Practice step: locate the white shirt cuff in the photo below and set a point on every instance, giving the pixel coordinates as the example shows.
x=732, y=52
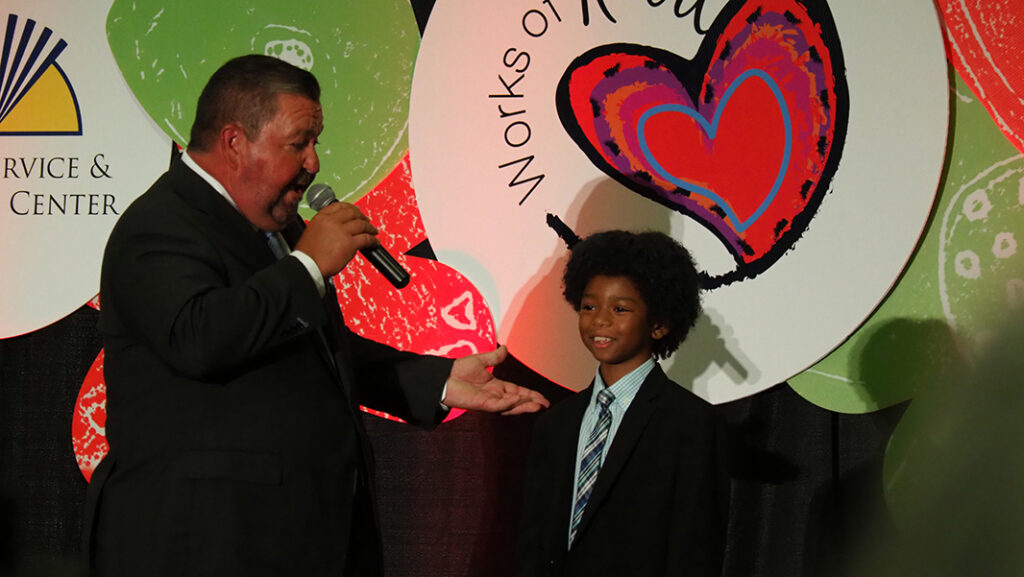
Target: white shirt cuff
x=444, y=393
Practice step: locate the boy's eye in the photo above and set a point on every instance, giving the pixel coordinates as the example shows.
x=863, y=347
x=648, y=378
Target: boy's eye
x=621, y=310
x=586, y=307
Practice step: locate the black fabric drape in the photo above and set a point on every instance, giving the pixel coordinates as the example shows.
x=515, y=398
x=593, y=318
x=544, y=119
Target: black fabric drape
x=806, y=495
x=41, y=489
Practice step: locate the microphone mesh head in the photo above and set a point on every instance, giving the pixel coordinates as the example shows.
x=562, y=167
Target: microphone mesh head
x=319, y=195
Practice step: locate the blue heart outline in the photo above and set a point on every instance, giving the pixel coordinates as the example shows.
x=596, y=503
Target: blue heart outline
x=711, y=130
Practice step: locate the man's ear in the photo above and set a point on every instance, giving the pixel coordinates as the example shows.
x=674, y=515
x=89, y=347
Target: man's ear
x=232, y=142
x=659, y=330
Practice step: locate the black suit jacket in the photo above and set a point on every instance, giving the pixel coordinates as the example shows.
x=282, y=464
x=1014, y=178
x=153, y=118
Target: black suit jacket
x=237, y=446
x=660, y=502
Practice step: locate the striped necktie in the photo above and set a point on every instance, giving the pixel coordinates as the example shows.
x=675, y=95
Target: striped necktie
x=591, y=463
x=277, y=246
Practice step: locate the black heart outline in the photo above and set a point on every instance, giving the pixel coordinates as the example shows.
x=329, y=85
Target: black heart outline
x=691, y=74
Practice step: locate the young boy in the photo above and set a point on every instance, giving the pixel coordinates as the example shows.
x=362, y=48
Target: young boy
x=640, y=487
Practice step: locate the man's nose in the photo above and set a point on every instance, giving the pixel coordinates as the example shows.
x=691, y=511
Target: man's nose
x=312, y=161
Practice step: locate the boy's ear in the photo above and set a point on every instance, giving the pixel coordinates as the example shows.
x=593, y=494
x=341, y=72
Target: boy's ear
x=658, y=331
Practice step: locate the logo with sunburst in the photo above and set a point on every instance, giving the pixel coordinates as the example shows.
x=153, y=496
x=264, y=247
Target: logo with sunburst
x=75, y=150
x=36, y=96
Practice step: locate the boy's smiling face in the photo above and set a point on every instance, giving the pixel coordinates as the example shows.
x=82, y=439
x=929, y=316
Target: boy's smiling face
x=614, y=326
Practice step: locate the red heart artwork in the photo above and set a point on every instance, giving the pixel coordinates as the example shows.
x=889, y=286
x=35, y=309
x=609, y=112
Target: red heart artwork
x=744, y=138
x=987, y=49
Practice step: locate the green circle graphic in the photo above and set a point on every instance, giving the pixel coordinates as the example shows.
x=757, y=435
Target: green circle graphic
x=362, y=53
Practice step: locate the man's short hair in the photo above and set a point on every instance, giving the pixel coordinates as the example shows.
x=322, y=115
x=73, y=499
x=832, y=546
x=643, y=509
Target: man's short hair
x=660, y=268
x=244, y=90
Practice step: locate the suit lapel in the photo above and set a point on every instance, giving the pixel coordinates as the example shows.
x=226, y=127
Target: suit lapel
x=230, y=228
x=334, y=332
x=236, y=234
x=634, y=422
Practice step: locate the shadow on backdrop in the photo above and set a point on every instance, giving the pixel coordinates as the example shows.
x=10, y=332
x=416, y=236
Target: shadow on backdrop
x=954, y=470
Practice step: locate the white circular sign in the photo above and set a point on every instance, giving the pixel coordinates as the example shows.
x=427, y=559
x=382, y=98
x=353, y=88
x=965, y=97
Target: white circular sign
x=794, y=148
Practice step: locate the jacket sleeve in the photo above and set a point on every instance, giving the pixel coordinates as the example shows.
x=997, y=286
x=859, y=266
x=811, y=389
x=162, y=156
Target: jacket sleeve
x=403, y=384
x=166, y=284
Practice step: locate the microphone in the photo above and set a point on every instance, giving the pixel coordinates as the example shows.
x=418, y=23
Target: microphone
x=320, y=195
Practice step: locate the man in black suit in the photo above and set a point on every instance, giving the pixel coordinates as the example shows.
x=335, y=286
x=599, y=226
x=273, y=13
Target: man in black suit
x=233, y=385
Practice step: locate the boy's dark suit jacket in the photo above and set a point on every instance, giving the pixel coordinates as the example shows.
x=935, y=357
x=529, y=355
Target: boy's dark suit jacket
x=237, y=446
x=660, y=503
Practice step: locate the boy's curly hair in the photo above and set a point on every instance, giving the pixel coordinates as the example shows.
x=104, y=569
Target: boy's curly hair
x=661, y=269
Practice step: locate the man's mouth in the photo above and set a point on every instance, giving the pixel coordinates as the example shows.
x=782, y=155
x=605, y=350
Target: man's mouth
x=302, y=181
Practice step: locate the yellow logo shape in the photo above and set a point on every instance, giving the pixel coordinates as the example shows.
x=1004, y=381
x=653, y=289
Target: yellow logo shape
x=36, y=97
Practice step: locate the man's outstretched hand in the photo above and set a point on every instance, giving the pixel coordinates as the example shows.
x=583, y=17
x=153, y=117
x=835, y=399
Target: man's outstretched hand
x=472, y=387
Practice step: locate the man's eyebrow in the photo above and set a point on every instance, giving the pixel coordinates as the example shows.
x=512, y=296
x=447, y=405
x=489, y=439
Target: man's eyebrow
x=306, y=133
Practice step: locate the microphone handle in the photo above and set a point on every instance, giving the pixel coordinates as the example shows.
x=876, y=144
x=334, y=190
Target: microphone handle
x=382, y=260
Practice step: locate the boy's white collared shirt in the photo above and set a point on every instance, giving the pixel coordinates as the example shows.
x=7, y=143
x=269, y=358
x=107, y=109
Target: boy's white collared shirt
x=625, y=390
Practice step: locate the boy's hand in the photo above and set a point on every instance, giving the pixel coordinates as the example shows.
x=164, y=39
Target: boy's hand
x=471, y=386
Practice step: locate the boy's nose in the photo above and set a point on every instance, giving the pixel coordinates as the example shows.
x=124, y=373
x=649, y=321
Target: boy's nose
x=602, y=317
